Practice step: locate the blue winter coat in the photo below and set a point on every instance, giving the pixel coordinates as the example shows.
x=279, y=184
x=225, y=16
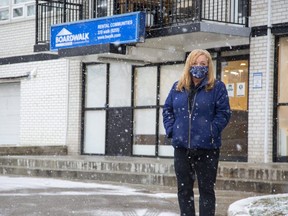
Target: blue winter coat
x=210, y=113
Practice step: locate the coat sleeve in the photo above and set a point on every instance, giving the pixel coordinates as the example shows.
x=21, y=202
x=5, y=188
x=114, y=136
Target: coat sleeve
x=222, y=110
x=168, y=114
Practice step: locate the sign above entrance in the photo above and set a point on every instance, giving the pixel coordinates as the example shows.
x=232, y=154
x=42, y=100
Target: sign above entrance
x=119, y=29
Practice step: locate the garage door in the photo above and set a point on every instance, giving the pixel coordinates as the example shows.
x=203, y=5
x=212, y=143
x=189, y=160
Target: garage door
x=9, y=113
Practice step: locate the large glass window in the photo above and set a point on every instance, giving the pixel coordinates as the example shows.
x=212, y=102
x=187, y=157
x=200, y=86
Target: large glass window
x=96, y=85
x=94, y=137
x=144, y=132
x=234, y=73
x=145, y=86
x=94, y=110
x=169, y=74
x=282, y=108
x=145, y=94
x=120, y=85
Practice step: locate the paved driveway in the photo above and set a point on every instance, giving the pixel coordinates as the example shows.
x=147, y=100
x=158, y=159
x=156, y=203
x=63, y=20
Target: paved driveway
x=40, y=196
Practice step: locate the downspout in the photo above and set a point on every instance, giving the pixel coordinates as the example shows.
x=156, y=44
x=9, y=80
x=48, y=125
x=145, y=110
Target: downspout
x=67, y=100
x=267, y=82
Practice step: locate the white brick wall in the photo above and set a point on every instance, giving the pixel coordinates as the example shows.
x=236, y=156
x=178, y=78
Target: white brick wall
x=257, y=101
x=259, y=12
x=17, y=38
x=44, y=109
x=258, y=59
x=74, y=117
x=279, y=11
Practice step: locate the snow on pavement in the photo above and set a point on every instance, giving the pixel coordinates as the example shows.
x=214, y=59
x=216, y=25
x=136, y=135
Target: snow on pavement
x=35, y=188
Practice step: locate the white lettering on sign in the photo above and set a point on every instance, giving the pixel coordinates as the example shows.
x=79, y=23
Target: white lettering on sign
x=123, y=23
x=102, y=26
x=65, y=37
x=72, y=38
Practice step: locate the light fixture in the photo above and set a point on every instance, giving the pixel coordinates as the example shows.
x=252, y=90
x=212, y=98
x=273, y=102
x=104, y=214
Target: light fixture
x=234, y=72
x=243, y=64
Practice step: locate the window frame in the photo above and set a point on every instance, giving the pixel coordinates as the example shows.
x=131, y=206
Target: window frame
x=21, y=5
x=277, y=105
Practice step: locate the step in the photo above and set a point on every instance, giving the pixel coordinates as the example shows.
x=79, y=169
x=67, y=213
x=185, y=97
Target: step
x=261, y=172
x=269, y=178
x=119, y=176
x=105, y=165
x=258, y=186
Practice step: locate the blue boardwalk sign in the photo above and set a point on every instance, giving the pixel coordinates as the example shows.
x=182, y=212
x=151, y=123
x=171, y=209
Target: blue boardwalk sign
x=119, y=29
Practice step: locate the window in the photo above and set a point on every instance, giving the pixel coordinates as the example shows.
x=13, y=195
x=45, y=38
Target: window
x=16, y=9
x=282, y=100
x=145, y=85
x=169, y=74
x=4, y=14
x=94, y=113
x=101, y=8
x=4, y=10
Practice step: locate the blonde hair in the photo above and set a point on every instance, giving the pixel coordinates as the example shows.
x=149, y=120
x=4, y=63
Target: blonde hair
x=185, y=80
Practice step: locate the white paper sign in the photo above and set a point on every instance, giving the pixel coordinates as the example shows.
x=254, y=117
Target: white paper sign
x=230, y=89
x=257, y=80
x=240, y=89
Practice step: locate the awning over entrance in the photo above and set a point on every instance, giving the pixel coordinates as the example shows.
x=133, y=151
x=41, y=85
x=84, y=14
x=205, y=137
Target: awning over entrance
x=166, y=44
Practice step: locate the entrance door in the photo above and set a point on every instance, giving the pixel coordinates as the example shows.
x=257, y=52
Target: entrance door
x=235, y=136
x=9, y=113
x=281, y=119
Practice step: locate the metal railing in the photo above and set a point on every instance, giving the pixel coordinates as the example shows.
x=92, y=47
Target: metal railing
x=159, y=13
x=52, y=12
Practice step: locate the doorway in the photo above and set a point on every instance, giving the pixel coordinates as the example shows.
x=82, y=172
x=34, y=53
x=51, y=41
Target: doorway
x=234, y=73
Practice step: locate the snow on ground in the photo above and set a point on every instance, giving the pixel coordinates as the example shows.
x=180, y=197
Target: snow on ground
x=14, y=183
x=15, y=188
x=269, y=205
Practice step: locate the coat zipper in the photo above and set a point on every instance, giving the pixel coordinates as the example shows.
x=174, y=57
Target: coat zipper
x=190, y=122
x=212, y=139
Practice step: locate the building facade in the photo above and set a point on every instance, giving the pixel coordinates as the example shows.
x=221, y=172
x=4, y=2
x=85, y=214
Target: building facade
x=107, y=99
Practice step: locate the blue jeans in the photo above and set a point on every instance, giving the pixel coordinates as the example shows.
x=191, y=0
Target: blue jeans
x=202, y=164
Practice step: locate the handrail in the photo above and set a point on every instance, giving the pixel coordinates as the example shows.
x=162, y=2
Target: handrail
x=159, y=13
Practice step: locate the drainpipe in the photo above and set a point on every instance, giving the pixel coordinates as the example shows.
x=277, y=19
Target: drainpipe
x=67, y=100
x=267, y=82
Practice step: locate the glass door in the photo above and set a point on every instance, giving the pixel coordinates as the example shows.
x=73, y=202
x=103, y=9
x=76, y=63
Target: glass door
x=234, y=73
x=282, y=101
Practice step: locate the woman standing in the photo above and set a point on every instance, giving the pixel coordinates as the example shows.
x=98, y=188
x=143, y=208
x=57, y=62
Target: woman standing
x=195, y=113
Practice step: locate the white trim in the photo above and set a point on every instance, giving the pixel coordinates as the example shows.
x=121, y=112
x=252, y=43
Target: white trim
x=166, y=150
x=147, y=150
